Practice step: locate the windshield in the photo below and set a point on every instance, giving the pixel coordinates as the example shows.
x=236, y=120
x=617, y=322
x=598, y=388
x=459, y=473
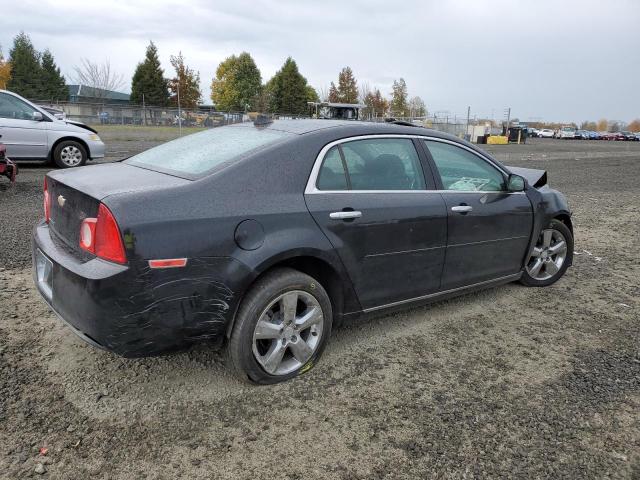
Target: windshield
x=198, y=153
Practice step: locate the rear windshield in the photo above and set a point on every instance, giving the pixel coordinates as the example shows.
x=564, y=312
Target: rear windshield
x=198, y=153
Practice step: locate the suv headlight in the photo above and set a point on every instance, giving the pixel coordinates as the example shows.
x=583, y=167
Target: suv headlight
x=94, y=137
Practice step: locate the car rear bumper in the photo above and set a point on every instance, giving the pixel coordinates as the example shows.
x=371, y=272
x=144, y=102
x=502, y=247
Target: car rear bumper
x=131, y=310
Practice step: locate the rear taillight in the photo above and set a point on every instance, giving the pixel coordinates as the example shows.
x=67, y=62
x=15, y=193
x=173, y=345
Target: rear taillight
x=101, y=236
x=46, y=201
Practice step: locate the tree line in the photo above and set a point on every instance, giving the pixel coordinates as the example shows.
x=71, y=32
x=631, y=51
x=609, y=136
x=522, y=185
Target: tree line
x=31, y=73
x=237, y=85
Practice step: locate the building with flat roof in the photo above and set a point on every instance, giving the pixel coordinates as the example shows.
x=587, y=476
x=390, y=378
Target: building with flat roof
x=85, y=94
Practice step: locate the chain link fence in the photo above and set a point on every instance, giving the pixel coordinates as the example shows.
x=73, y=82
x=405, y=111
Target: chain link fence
x=114, y=114
x=208, y=117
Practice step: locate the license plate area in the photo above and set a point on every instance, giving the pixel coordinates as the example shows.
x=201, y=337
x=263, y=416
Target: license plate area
x=44, y=273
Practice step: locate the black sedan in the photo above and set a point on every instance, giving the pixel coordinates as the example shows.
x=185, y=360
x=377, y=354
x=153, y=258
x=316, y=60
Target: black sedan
x=266, y=236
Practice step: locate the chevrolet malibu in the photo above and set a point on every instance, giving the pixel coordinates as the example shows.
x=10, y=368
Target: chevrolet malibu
x=265, y=236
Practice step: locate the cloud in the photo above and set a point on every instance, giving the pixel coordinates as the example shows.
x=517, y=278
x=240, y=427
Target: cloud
x=568, y=61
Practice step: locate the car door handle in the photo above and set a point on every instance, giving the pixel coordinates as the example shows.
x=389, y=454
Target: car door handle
x=462, y=208
x=345, y=215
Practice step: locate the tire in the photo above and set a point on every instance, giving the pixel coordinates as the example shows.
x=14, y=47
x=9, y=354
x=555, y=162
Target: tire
x=250, y=357
x=545, y=267
x=69, y=154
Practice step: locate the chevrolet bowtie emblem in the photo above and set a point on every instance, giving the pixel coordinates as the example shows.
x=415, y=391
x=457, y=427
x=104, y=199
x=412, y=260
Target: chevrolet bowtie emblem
x=61, y=200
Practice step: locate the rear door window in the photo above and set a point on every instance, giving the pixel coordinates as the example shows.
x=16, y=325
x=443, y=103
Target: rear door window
x=376, y=164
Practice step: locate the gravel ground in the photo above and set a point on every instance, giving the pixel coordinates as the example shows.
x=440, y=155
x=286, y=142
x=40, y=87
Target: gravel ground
x=510, y=382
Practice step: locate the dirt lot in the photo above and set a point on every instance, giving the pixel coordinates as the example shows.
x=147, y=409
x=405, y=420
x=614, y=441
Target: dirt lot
x=513, y=382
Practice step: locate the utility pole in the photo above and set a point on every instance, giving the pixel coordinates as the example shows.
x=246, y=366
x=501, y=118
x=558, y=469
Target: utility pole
x=468, y=115
x=506, y=128
x=179, y=111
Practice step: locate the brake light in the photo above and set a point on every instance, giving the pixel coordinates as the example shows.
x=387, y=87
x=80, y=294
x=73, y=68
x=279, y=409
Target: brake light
x=46, y=201
x=101, y=236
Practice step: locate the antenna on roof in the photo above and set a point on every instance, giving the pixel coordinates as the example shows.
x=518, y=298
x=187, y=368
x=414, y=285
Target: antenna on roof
x=262, y=120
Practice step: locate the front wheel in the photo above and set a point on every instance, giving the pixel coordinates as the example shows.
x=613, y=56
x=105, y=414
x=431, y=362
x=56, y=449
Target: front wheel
x=69, y=154
x=281, y=328
x=550, y=257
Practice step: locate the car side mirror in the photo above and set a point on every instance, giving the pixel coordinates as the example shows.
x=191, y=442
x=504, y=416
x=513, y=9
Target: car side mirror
x=37, y=117
x=516, y=183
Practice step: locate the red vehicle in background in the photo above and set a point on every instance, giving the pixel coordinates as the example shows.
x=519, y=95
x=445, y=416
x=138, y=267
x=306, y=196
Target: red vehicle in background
x=7, y=167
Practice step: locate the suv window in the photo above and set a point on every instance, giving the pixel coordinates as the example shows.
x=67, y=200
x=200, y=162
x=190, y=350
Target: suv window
x=462, y=170
x=374, y=164
x=14, y=108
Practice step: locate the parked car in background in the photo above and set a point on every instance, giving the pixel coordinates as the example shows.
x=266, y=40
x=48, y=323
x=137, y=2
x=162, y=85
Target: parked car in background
x=619, y=136
x=567, y=133
x=32, y=133
x=606, y=136
x=204, y=238
x=594, y=136
x=58, y=114
x=546, y=133
x=629, y=136
x=582, y=135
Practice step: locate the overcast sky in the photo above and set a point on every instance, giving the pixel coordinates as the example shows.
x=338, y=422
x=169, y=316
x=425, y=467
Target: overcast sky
x=551, y=60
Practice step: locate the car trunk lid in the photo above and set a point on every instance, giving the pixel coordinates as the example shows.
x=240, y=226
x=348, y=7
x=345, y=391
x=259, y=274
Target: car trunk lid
x=76, y=194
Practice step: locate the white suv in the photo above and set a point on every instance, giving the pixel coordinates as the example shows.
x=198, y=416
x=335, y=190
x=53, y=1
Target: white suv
x=31, y=133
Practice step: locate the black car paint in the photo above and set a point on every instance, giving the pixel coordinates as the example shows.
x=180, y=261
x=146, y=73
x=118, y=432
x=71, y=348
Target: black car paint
x=137, y=311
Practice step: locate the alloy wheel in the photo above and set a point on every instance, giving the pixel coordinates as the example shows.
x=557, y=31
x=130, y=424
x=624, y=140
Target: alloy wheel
x=548, y=255
x=288, y=332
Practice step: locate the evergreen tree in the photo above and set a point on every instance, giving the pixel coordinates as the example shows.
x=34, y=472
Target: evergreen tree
x=312, y=95
x=334, y=95
x=148, y=80
x=347, y=86
x=186, y=84
x=54, y=86
x=287, y=90
x=238, y=84
x=399, y=95
x=26, y=71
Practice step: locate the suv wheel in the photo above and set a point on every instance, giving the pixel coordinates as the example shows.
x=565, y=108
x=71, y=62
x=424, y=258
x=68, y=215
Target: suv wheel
x=69, y=154
x=281, y=329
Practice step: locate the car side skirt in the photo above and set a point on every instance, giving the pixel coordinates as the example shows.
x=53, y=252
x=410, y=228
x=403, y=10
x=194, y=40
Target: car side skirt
x=433, y=297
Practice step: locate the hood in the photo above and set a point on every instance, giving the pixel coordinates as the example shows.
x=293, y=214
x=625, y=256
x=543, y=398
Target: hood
x=535, y=178
x=80, y=124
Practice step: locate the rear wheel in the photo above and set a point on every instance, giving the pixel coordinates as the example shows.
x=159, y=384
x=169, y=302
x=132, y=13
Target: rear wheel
x=281, y=329
x=69, y=154
x=551, y=256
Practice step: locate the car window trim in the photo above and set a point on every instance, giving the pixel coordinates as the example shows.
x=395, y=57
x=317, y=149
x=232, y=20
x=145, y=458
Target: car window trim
x=312, y=189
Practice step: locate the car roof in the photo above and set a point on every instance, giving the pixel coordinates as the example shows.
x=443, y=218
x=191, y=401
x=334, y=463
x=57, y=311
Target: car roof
x=306, y=125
